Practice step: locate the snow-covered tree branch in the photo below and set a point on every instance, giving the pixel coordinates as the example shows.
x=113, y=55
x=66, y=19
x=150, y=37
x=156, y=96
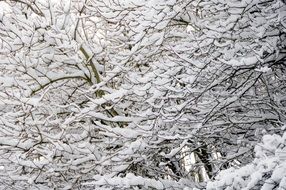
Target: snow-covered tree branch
x=131, y=94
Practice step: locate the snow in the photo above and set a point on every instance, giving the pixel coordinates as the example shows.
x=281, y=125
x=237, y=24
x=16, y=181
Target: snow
x=7, y=81
x=177, y=78
x=264, y=69
x=255, y=175
x=131, y=180
x=242, y=62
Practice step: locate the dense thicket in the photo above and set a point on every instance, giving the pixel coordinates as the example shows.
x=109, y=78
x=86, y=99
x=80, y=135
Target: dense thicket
x=140, y=94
